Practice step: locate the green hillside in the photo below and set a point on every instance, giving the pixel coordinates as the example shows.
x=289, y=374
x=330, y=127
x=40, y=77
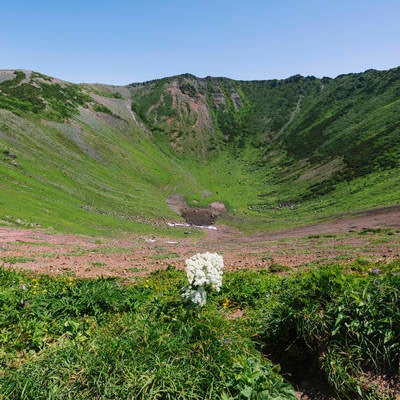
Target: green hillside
x=103, y=159
x=86, y=167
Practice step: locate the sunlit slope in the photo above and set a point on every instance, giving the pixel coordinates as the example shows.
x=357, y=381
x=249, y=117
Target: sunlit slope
x=334, y=129
x=95, y=171
x=283, y=152
x=102, y=159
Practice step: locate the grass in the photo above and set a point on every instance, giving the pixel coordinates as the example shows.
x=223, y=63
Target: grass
x=165, y=256
x=266, y=168
x=122, y=193
x=85, y=339
x=252, y=195
x=339, y=322
x=273, y=167
x=73, y=338
x=16, y=260
x=98, y=264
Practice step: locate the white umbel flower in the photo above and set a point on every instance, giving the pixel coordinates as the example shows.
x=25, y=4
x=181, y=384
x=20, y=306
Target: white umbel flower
x=205, y=269
x=197, y=296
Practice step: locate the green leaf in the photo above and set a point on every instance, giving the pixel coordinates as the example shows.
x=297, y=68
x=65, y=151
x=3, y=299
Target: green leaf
x=247, y=392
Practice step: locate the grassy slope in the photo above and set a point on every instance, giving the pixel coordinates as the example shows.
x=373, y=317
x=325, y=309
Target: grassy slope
x=278, y=153
x=290, y=152
x=93, y=173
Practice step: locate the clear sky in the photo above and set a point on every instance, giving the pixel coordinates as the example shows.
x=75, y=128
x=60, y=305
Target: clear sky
x=125, y=41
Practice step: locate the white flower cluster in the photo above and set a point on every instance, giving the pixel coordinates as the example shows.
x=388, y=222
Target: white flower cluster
x=197, y=296
x=205, y=269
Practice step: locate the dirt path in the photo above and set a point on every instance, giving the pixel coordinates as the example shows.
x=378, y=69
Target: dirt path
x=372, y=235
x=372, y=219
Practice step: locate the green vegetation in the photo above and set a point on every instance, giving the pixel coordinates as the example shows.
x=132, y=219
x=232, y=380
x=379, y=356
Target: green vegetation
x=48, y=99
x=102, y=108
x=98, y=264
x=109, y=94
x=15, y=259
x=278, y=153
x=343, y=325
x=284, y=153
x=88, y=178
x=354, y=117
x=68, y=338
x=87, y=339
x=165, y=256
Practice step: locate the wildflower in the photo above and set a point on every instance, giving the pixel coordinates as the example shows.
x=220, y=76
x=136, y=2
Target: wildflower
x=376, y=271
x=227, y=341
x=226, y=303
x=195, y=296
x=204, y=271
x=22, y=287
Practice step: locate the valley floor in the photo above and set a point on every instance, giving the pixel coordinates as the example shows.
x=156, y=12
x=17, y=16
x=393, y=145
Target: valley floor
x=373, y=235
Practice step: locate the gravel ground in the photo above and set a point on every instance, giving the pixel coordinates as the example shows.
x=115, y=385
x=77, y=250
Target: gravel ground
x=341, y=240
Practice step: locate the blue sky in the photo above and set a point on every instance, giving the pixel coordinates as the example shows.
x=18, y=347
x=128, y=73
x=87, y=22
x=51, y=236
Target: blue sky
x=124, y=41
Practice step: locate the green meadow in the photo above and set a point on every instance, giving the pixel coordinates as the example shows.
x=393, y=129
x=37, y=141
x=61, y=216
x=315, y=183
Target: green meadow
x=335, y=327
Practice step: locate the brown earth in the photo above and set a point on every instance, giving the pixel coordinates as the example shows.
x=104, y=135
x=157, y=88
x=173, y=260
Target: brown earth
x=199, y=216
x=374, y=235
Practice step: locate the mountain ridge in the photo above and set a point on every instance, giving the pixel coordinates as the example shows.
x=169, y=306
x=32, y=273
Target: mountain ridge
x=255, y=145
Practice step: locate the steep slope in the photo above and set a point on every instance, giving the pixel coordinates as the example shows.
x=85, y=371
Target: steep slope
x=285, y=142
x=78, y=161
x=94, y=157
x=356, y=117
x=353, y=117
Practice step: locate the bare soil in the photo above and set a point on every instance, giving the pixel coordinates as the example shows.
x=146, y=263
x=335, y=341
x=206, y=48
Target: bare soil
x=199, y=216
x=373, y=235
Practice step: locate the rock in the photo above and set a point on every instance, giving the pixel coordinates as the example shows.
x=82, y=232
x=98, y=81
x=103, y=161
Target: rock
x=218, y=208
